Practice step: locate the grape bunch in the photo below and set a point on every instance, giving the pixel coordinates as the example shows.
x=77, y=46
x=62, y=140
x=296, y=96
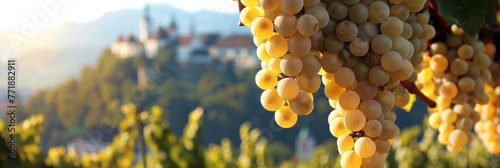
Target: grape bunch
x=488, y=127
x=282, y=33
x=454, y=74
x=369, y=47
x=362, y=49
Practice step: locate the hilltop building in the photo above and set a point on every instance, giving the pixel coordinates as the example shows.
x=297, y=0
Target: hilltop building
x=190, y=49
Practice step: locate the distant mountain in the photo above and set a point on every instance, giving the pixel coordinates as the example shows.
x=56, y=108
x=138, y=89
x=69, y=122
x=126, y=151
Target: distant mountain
x=105, y=30
x=62, y=51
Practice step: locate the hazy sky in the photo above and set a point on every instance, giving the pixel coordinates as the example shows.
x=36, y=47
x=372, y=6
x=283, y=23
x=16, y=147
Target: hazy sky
x=15, y=13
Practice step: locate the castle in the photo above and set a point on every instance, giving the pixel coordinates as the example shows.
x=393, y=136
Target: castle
x=192, y=48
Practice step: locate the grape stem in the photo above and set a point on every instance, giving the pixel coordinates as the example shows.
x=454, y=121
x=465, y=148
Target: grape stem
x=412, y=88
x=438, y=21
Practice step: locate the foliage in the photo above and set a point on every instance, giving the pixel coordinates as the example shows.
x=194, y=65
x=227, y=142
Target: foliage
x=166, y=150
x=409, y=151
x=467, y=14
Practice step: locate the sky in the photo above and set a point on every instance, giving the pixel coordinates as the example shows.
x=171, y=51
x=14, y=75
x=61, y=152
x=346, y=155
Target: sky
x=16, y=14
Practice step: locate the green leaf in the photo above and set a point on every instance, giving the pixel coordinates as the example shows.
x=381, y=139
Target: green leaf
x=467, y=14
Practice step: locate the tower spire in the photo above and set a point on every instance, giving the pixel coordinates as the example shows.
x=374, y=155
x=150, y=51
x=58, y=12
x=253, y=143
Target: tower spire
x=145, y=24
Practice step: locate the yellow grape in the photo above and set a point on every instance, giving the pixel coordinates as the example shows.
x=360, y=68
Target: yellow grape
x=310, y=65
x=449, y=116
x=274, y=65
x=299, y=45
x=276, y=46
x=262, y=27
x=350, y=160
x=364, y=147
x=291, y=6
x=248, y=15
x=269, y=5
x=271, y=100
x=302, y=81
x=302, y=104
x=448, y=90
x=250, y=3
x=349, y=100
x=345, y=143
x=334, y=114
x=333, y=91
x=288, y=88
x=383, y=146
x=314, y=82
x=307, y=25
x=285, y=24
x=373, y=128
x=257, y=41
x=354, y=120
x=265, y=79
x=371, y=109
x=377, y=160
x=272, y=14
x=344, y=77
x=285, y=117
x=291, y=65
x=388, y=130
x=262, y=53
x=337, y=127
x=331, y=62
x=458, y=138
x=435, y=120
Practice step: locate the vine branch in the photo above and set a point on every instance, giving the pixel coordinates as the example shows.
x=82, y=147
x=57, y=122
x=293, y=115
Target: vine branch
x=438, y=21
x=412, y=88
x=240, y=7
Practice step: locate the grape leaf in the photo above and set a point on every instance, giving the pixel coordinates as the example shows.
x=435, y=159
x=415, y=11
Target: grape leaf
x=467, y=14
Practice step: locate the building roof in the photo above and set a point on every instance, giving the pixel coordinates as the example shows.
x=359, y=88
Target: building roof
x=185, y=40
x=129, y=38
x=236, y=41
x=209, y=39
x=119, y=39
x=159, y=34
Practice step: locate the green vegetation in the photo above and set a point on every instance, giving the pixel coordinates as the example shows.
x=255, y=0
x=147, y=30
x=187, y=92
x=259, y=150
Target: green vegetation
x=229, y=97
x=167, y=150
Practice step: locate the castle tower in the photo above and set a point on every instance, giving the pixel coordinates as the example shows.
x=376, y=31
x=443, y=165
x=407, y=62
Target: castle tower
x=145, y=24
x=305, y=143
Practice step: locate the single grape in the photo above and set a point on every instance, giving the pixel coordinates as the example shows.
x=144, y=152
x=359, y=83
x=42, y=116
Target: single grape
x=271, y=100
x=288, y=88
x=285, y=117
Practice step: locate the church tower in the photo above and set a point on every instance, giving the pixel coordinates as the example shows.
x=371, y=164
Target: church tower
x=145, y=24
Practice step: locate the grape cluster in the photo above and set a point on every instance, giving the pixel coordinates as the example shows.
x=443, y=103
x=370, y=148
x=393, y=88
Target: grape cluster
x=454, y=74
x=369, y=47
x=488, y=127
x=362, y=49
x=282, y=33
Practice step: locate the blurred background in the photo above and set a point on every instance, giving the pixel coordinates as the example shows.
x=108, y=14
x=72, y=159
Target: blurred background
x=93, y=76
